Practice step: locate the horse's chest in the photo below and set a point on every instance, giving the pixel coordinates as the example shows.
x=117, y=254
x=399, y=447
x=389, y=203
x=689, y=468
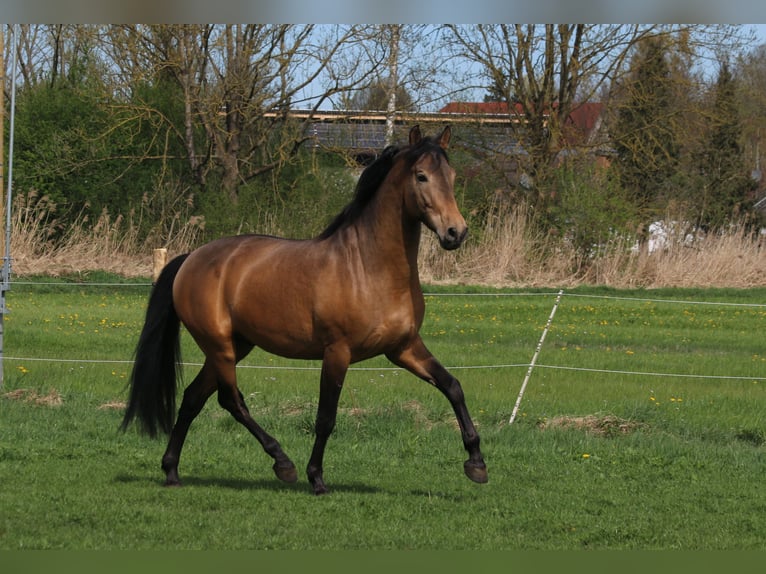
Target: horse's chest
x=370, y=318
x=379, y=332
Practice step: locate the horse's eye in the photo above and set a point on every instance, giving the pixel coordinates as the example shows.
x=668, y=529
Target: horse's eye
x=421, y=177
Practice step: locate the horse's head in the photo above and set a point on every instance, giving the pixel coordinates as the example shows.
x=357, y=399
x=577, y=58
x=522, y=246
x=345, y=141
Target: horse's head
x=430, y=194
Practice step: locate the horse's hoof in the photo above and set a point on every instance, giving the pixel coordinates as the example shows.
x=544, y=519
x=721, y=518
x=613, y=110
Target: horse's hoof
x=318, y=485
x=172, y=483
x=476, y=472
x=285, y=471
x=320, y=489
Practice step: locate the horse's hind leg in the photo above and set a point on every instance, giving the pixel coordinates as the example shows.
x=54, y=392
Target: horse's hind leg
x=232, y=400
x=195, y=397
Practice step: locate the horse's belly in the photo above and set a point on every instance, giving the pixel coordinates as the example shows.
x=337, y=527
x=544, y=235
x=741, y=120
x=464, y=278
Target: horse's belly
x=285, y=334
x=289, y=347
x=306, y=334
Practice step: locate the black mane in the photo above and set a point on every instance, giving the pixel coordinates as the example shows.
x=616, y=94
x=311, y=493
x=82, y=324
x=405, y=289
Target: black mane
x=369, y=182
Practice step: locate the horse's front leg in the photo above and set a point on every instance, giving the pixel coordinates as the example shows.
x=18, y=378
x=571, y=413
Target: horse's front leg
x=417, y=359
x=334, y=368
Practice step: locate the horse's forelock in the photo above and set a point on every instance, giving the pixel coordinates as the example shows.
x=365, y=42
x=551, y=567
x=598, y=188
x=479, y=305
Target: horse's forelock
x=426, y=145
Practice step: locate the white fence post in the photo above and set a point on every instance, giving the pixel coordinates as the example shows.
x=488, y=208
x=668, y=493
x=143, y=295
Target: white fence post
x=534, y=358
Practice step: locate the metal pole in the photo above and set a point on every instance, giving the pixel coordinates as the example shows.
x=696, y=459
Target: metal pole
x=534, y=358
x=5, y=275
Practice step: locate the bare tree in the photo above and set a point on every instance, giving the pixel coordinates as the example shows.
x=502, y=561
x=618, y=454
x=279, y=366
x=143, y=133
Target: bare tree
x=751, y=73
x=545, y=71
x=240, y=82
x=393, y=80
x=43, y=52
x=539, y=71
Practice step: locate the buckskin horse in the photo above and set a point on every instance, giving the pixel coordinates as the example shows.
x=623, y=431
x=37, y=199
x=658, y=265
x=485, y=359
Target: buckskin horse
x=351, y=293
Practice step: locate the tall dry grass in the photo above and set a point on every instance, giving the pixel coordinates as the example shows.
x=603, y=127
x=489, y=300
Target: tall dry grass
x=41, y=244
x=507, y=252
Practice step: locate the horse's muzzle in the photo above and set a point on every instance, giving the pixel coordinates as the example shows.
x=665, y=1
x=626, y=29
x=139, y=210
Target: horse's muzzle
x=453, y=238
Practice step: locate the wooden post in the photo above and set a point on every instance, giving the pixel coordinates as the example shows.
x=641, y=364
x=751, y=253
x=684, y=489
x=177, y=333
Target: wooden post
x=160, y=258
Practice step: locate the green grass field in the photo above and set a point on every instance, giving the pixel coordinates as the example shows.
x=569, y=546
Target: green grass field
x=642, y=427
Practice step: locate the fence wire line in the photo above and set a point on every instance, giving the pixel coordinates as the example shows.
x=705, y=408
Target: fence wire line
x=529, y=366
x=430, y=294
x=398, y=369
x=75, y=284
x=589, y=296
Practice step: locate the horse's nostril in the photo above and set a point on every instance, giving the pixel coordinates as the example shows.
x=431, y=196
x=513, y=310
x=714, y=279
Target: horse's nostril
x=453, y=237
x=456, y=234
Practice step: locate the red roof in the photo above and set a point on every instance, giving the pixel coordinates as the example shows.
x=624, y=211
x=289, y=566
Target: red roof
x=585, y=116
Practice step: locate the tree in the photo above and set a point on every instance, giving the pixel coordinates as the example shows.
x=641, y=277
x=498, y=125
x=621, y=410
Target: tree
x=726, y=182
x=645, y=133
x=69, y=145
x=209, y=105
x=750, y=74
x=544, y=72
x=239, y=83
x=405, y=79
x=376, y=97
x=539, y=72
x=670, y=130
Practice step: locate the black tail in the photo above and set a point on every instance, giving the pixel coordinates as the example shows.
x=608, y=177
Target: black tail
x=153, y=380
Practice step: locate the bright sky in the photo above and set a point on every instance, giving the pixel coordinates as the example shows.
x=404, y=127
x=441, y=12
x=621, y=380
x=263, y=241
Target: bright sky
x=760, y=31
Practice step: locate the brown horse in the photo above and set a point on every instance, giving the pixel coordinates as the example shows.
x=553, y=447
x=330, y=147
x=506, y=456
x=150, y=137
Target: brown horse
x=347, y=295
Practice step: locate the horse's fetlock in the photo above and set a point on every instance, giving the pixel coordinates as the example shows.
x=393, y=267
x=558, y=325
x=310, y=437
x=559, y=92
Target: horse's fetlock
x=169, y=463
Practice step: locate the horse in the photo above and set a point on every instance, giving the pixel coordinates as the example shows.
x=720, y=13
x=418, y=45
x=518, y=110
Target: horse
x=349, y=294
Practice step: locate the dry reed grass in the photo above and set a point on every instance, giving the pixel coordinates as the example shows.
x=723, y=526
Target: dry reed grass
x=42, y=245
x=505, y=253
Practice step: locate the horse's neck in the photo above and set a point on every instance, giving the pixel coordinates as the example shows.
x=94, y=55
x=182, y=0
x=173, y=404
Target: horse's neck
x=386, y=237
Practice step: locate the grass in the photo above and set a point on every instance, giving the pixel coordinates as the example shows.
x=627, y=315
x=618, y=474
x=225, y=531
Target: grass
x=596, y=459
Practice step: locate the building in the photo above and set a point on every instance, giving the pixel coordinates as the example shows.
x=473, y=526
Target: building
x=486, y=127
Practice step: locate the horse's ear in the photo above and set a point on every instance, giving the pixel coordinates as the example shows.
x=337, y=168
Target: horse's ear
x=445, y=137
x=415, y=135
